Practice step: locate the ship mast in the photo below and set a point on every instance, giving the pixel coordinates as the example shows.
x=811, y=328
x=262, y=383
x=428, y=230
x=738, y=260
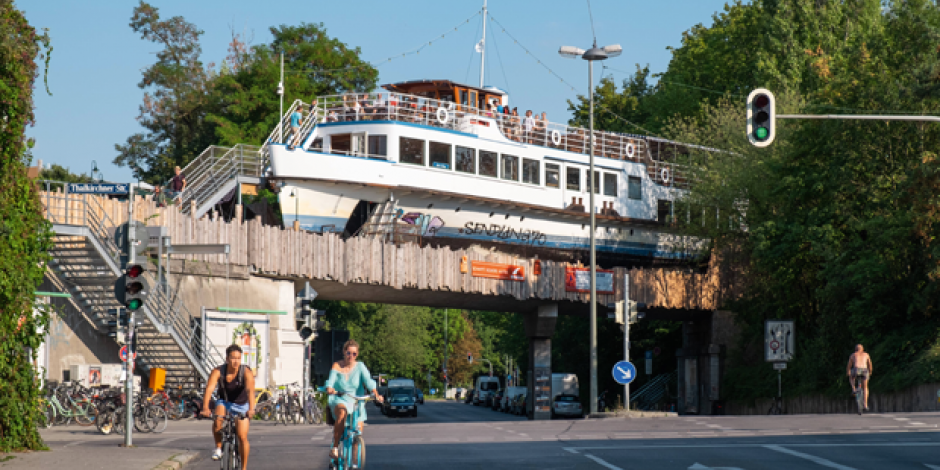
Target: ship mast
x=483, y=45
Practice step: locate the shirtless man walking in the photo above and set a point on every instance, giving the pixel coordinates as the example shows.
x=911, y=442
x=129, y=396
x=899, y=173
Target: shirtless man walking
x=859, y=365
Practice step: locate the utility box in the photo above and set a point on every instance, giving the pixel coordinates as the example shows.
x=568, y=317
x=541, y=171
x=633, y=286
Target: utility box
x=157, y=378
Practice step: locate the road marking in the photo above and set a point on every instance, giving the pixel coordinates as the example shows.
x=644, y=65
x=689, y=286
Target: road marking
x=811, y=458
x=164, y=442
x=736, y=446
x=931, y=467
x=902, y=419
x=698, y=466
x=602, y=462
x=316, y=438
x=569, y=449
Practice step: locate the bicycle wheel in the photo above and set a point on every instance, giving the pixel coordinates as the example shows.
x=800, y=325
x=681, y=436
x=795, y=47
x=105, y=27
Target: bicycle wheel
x=859, y=395
x=141, y=423
x=357, y=453
x=156, y=419
x=228, y=458
x=84, y=413
x=105, y=421
x=175, y=410
x=317, y=413
x=282, y=412
x=118, y=421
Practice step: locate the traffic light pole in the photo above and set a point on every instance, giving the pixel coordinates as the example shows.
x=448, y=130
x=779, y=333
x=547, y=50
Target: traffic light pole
x=861, y=117
x=626, y=334
x=128, y=363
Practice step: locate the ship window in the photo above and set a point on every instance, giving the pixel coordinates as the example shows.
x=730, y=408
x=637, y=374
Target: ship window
x=530, y=171
x=610, y=184
x=440, y=155
x=574, y=179
x=635, y=187
x=340, y=144
x=510, y=167
x=552, y=175
x=466, y=160
x=317, y=144
x=378, y=145
x=411, y=151
x=488, y=165
x=664, y=211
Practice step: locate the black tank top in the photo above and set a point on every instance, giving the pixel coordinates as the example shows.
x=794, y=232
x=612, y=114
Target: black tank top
x=234, y=390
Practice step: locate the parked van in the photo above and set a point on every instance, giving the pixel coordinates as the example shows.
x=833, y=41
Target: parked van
x=486, y=387
x=511, y=393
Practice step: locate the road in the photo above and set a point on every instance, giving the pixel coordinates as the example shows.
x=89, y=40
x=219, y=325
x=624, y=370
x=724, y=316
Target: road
x=458, y=436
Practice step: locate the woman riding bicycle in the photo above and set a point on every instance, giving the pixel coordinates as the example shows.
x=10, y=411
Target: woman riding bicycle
x=348, y=377
x=236, y=384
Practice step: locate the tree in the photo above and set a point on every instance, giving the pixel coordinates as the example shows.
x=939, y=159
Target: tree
x=25, y=235
x=314, y=65
x=460, y=369
x=176, y=99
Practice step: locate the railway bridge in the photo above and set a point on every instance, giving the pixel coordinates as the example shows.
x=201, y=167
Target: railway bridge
x=357, y=269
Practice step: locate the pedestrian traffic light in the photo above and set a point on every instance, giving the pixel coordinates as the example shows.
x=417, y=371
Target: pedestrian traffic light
x=470, y=358
x=637, y=311
x=132, y=288
x=761, y=117
x=117, y=323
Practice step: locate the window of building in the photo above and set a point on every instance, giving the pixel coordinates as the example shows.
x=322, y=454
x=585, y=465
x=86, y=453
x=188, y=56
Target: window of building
x=510, y=167
x=573, y=181
x=664, y=211
x=440, y=155
x=466, y=160
x=552, y=175
x=597, y=182
x=635, y=187
x=411, y=151
x=610, y=184
x=530, y=171
x=340, y=144
x=488, y=164
x=378, y=145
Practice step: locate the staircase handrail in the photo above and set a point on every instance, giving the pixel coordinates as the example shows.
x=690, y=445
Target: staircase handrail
x=215, y=172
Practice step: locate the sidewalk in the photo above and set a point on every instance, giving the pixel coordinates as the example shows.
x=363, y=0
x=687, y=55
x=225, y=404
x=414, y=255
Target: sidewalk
x=79, y=448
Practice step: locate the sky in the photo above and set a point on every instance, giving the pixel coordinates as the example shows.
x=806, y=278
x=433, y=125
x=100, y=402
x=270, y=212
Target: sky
x=97, y=59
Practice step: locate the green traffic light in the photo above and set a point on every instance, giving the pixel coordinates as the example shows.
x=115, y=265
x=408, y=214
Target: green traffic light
x=135, y=304
x=761, y=133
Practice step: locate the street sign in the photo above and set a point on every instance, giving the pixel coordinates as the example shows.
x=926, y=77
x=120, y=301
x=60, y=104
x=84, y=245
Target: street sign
x=780, y=366
x=779, y=340
x=649, y=354
x=99, y=188
x=624, y=372
x=124, y=354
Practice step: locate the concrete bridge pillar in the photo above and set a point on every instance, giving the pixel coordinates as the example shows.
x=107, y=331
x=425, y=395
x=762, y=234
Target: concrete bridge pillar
x=539, y=328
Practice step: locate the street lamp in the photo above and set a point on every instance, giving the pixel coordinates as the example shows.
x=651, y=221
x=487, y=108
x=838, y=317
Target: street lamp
x=592, y=54
x=94, y=169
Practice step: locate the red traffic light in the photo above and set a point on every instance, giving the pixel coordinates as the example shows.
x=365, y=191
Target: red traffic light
x=761, y=101
x=135, y=270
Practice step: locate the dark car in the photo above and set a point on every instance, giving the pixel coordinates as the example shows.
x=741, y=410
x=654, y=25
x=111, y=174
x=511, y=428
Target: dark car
x=402, y=405
x=497, y=397
x=381, y=391
x=419, y=396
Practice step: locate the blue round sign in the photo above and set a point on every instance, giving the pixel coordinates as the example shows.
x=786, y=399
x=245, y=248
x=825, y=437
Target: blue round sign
x=624, y=372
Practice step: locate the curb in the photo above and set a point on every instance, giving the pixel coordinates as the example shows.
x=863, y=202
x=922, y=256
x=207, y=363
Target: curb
x=176, y=462
x=633, y=414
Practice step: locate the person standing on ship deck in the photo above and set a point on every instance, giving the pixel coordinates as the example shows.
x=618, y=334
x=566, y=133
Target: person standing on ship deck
x=296, y=119
x=529, y=124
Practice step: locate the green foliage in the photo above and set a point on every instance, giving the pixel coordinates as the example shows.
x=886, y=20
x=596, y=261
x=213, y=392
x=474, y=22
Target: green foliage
x=24, y=233
x=190, y=105
x=837, y=219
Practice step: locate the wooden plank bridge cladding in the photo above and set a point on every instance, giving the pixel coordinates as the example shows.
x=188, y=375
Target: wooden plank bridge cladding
x=298, y=254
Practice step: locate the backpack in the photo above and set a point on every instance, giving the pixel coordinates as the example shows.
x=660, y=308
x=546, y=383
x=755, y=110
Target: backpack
x=239, y=379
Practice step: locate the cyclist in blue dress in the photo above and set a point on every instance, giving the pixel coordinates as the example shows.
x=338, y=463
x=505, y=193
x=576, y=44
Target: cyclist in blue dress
x=348, y=377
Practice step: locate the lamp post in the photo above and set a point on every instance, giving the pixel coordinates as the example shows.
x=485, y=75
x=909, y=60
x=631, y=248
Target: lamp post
x=94, y=169
x=591, y=55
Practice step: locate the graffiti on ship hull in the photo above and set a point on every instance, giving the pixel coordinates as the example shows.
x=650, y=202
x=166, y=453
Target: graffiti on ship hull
x=505, y=232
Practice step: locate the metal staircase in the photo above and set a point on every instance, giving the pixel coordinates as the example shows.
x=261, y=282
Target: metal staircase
x=381, y=223
x=86, y=261
x=217, y=171
x=653, y=391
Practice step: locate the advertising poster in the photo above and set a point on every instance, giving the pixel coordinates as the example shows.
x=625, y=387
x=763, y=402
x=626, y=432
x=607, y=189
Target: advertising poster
x=579, y=280
x=246, y=330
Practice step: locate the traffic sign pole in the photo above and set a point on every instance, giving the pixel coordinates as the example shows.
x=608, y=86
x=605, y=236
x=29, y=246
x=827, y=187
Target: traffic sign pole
x=626, y=335
x=128, y=366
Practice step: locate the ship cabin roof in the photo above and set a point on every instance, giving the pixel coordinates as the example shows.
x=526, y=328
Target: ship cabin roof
x=446, y=90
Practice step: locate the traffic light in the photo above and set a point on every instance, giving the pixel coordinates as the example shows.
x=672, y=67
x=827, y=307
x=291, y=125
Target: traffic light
x=470, y=358
x=637, y=311
x=618, y=307
x=761, y=117
x=117, y=323
x=132, y=288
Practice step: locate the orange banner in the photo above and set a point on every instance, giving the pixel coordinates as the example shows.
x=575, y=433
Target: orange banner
x=505, y=272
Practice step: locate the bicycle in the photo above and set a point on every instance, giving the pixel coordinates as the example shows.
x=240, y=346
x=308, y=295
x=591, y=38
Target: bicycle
x=65, y=403
x=231, y=454
x=352, y=453
x=776, y=408
x=313, y=413
x=859, y=393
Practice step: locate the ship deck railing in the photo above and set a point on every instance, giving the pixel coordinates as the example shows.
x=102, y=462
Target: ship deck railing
x=662, y=157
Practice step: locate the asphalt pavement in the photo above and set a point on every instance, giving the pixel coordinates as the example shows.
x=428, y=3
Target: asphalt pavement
x=459, y=436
